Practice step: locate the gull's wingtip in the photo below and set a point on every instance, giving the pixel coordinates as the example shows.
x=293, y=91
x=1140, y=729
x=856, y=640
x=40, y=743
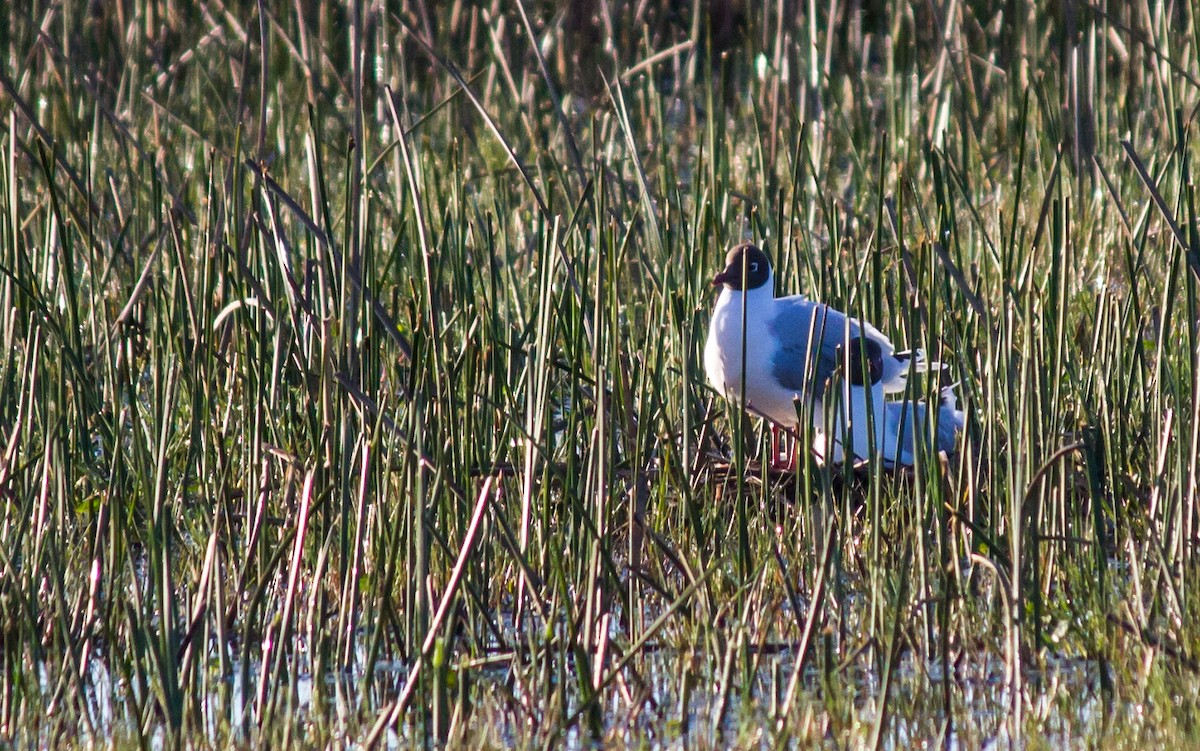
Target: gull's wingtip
x=919, y=362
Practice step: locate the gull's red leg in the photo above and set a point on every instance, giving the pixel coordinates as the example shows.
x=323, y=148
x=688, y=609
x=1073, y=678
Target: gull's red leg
x=783, y=450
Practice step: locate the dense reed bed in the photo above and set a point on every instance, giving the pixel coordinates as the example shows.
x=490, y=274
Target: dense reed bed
x=351, y=390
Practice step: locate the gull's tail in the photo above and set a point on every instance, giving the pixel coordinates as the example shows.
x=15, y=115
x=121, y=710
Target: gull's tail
x=897, y=368
x=919, y=363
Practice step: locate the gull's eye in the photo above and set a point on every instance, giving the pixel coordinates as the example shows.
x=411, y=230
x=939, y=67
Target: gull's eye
x=754, y=267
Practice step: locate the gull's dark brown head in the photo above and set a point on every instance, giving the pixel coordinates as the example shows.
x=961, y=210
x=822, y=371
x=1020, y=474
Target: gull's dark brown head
x=744, y=262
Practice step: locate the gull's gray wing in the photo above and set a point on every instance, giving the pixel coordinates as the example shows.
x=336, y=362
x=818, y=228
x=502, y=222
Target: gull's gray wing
x=909, y=420
x=811, y=336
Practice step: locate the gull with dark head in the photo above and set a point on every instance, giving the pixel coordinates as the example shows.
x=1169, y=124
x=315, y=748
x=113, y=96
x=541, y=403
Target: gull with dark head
x=793, y=348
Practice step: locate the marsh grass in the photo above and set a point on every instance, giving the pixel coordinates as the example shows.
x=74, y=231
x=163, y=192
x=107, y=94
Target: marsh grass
x=351, y=389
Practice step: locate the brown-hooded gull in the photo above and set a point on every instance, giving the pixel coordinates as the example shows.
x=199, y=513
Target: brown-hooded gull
x=794, y=347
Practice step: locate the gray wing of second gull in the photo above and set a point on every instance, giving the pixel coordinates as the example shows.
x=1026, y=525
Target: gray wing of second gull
x=806, y=331
x=910, y=420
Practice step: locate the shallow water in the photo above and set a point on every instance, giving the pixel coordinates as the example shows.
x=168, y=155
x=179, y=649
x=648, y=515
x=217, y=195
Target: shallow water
x=1060, y=702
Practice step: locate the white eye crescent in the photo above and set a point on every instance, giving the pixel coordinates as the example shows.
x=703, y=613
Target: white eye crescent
x=754, y=267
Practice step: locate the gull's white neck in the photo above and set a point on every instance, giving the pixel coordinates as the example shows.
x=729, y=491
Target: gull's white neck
x=757, y=300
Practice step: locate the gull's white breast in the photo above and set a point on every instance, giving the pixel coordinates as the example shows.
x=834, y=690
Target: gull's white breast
x=723, y=354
